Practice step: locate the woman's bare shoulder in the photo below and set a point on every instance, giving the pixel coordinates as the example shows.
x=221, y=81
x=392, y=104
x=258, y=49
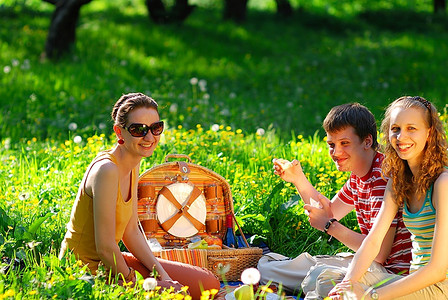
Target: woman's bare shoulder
x=441, y=183
x=103, y=170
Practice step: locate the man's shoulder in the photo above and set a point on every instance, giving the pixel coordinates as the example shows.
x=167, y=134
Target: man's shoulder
x=377, y=160
x=376, y=173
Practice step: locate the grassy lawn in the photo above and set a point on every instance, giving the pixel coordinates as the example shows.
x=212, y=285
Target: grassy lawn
x=267, y=72
x=266, y=84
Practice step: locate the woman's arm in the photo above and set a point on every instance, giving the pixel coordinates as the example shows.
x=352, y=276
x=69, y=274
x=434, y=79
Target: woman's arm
x=437, y=267
x=371, y=245
x=136, y=243
x=103, y=184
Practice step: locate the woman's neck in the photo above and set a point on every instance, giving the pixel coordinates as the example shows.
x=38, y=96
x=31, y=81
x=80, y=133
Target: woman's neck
x=126, y=161
x=414, y=167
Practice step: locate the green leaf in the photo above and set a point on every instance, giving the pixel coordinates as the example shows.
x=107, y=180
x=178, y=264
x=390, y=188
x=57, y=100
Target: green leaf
x=36, y=224
x=293, y=201
x=5, y=220
x=277, y=188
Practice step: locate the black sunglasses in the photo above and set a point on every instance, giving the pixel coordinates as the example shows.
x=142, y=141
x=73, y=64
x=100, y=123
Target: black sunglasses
x=141, y=130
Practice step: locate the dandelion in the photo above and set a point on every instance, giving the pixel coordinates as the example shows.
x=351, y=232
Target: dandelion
x=7, y=143
x=213, y=291
x=232, y=95
x=266, y=289
x=205, y=294
x=6, y=69
x=215, y=127
x=250, y=276
x=260, y=131
x=225, y=112
x=77, y=139
x=33, y=244
x=149, y=284
x=25, y=65
x=206, y=96
x=222, y=269
x=202, y=85
x=9, y=293
x=24, y=196
x=289, y=104
x=173, y=108
x=193, y=81
x=102, y=126
x=72, y=126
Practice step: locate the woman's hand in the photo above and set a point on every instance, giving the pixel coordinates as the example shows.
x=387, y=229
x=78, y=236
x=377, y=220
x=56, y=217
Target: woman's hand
x=170, y=283
x=354, y=290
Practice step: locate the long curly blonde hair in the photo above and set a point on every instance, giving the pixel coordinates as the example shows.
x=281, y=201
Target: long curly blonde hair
x=405, y=184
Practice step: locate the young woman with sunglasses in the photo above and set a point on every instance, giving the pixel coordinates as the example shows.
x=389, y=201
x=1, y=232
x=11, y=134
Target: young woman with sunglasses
x=416, y=162
x=105, y=209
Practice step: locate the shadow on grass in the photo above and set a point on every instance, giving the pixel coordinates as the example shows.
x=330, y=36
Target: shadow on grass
x=266, y=71
x=405, y=20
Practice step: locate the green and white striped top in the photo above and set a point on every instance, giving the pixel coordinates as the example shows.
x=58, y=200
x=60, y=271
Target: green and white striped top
x=421, y=225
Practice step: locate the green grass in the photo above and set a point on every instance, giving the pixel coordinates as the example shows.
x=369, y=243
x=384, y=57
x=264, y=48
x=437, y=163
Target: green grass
x=278, y=75
x=267, y=72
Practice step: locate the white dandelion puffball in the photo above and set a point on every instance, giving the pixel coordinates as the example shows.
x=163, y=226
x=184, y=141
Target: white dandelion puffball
x=193, y=81
x=260, y=131
x=215, y=127
x=250, y=276
x=72, y=126
x=77, y=139
x=149, y=284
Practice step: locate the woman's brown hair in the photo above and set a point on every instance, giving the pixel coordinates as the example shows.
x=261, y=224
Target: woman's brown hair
x=128, y=103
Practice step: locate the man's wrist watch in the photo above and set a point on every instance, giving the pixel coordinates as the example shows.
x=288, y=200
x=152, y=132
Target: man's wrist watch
x=374, y=294
x=327, y=226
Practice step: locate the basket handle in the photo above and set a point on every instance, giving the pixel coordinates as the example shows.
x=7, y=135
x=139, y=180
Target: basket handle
x=241, y=231
x=168, y=156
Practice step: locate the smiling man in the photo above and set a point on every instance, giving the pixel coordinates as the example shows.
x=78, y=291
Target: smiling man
x=352, y=143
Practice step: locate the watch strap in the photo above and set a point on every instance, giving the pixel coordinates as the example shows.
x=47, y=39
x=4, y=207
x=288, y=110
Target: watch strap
x=327, y=226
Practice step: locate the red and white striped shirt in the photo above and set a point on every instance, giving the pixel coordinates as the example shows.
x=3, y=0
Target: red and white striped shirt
x=366, y=195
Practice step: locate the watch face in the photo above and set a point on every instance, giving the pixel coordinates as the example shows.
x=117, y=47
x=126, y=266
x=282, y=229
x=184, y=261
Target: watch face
x=374, y=295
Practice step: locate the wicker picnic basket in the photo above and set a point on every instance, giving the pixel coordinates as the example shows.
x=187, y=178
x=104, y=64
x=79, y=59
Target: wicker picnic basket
x=178, y=200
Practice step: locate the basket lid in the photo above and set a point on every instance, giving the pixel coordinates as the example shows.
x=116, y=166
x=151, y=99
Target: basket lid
x=184, y=213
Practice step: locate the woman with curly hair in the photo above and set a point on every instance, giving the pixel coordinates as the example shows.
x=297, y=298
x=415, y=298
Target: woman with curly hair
x=416, y=162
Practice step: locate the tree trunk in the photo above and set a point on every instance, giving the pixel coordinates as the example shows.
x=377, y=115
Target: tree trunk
x=62, y=32
x=284, y=8
x=159, y=14
x=235, y=10
x=439, y=6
